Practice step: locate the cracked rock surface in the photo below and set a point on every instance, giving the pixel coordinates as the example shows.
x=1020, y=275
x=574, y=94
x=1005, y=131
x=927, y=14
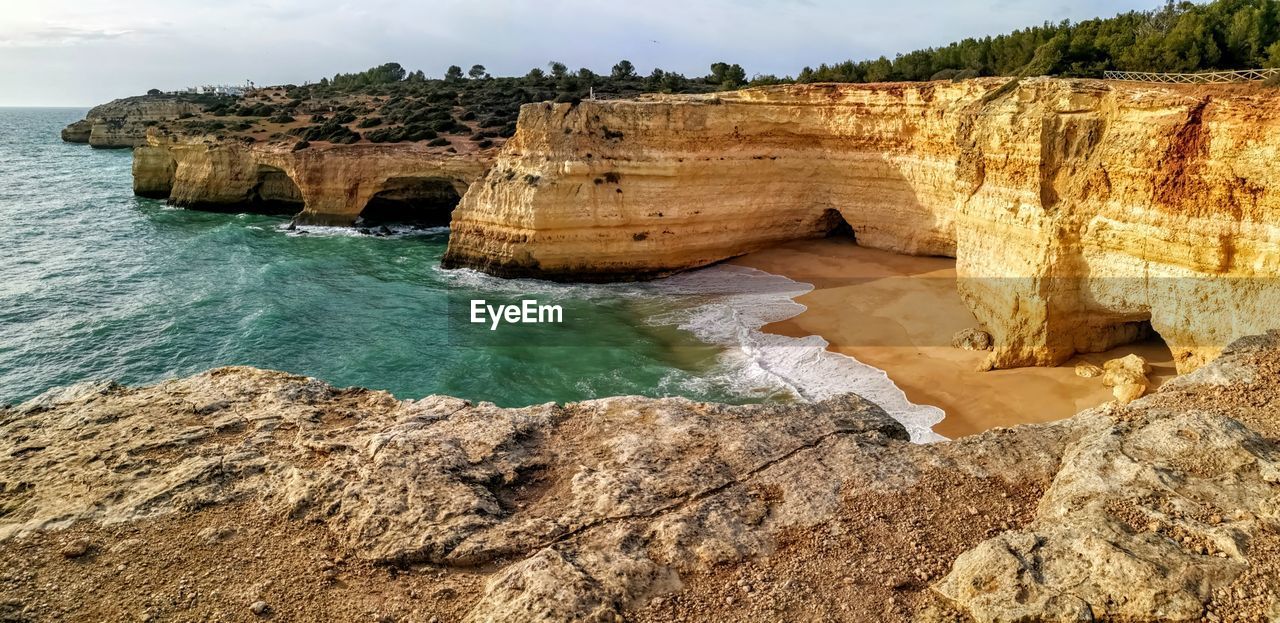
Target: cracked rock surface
x=348, y=503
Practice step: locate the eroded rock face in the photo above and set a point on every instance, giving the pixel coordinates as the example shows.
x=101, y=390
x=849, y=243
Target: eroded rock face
x=1160, y=510
x=322, y=185
x=1153, y=516
x=124, y=122
x=440, y=480
x=1077, y=210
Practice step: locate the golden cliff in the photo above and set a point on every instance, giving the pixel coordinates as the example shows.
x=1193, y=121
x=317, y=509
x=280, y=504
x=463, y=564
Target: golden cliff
x=1078, y=211
x=322, y=184
x=124, y=122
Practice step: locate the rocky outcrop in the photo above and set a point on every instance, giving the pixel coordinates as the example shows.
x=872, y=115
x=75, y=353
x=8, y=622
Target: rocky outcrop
x=1165, y=509
x=124, y=122
x=1168, y=510
x=78, y=131
x=321, y=184
x=1080, y=213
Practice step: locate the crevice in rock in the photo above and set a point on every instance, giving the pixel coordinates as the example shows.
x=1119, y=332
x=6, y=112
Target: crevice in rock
x=696, y=496
x=274, y=193
x=833, y=223
x=414, y=201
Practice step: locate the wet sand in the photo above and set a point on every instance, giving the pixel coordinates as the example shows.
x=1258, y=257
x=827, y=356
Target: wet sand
x=899, y=313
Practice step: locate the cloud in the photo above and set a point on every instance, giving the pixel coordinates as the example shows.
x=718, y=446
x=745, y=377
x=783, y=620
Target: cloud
x=103, y=49
x=65, y=35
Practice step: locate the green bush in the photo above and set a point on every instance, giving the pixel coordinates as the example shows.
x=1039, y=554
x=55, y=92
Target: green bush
x=328, y=131
x=409, y=133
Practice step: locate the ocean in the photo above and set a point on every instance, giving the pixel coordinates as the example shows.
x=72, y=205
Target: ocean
x=96, y=283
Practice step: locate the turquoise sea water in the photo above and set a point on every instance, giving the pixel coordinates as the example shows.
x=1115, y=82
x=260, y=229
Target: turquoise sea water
x=96, y=283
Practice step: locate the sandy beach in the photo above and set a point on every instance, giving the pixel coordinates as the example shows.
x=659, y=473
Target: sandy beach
x=899, y=313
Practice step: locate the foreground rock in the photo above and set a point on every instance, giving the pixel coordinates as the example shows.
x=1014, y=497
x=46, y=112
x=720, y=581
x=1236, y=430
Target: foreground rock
x=1077, y=210
x=241, y=485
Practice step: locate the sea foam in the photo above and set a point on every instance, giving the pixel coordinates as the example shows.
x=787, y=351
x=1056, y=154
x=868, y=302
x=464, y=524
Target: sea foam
x=743, y=300
x=728, y=306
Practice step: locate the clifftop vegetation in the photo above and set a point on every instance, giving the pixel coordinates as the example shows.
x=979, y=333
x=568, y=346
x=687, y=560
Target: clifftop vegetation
x=471, y=109
x=462, y=111
x=1182, y=37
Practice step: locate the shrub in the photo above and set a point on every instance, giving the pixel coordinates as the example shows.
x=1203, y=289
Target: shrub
x=438, y=142
x=370, y=122
x=403, y=133
x=328, y=131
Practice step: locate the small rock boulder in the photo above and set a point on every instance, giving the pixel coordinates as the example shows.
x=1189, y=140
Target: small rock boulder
x=972, y=339
x=1128, y=392
x=259, y=608
x=1135, y=363
x=77, y=548
x=1127, y=377
x=1087, y=370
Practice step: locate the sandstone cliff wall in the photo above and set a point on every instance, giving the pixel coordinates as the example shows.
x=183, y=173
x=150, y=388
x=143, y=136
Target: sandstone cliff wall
x=1078, y=211
x=123, y=123
x=323, y=184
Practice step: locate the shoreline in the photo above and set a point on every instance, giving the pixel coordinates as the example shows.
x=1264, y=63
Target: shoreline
x=898, y=313
x=746, y=300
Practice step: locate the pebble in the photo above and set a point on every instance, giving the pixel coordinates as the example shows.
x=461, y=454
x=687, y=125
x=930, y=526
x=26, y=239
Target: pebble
x=259, y=607
x=77, y=548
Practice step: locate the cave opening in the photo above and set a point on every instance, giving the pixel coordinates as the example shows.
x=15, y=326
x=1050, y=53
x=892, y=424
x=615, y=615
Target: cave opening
x=832, y=225
x=418, y=202
x=274, y=192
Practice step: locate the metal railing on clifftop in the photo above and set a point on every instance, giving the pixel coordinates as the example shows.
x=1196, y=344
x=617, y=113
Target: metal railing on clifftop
x=1208, y=77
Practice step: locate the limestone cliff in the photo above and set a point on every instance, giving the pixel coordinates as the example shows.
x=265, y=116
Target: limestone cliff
x=124, y=122
x=1077, y=210
x=310, y=498
x=322, y=184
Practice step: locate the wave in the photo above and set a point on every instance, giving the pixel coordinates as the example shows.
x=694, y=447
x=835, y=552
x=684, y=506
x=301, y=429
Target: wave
x=728, y=306
x=379, y=231
x=742, y=301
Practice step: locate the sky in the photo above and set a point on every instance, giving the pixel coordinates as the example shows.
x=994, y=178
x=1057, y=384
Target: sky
x=85, y=52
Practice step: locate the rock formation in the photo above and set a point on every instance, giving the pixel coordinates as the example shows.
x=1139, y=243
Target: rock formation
x=1165, y=509
x=322, y=184
x=1080, y=213
x=124, y=122
x=1127, y=377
